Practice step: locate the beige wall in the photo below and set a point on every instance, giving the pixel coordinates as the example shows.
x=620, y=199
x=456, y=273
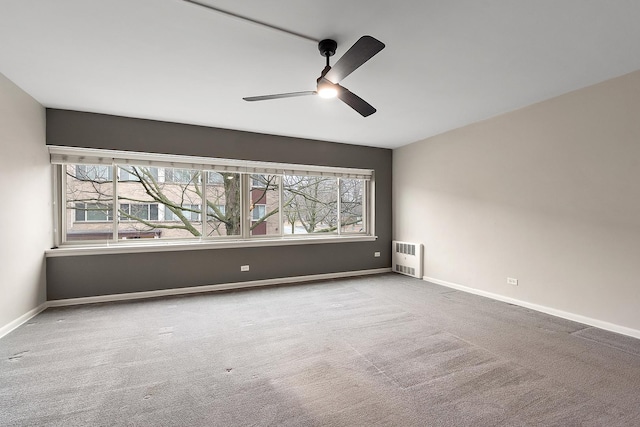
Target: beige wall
x=25, y=192
x=549, y=194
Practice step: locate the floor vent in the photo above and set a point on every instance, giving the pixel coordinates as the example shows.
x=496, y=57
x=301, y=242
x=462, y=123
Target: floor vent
x=407, y=258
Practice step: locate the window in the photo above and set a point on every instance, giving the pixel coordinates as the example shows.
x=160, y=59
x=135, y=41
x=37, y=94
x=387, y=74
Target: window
x=136, y=173
x=93, y=212
x=351, y=205
x=97, y=173
x=264, y=205
x=139, y=212
x=180, y=176
x=310, y=204
x=215, y=178
x=88, y=199
x=178, y=197
x=152, y=205
x=223, y=204
x=259, y=181
x=258, y=212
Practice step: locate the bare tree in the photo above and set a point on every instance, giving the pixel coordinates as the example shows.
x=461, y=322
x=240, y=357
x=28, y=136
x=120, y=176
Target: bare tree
x=311, y=201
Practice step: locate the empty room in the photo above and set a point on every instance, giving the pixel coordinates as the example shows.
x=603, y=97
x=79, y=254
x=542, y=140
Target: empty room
x=283, y=213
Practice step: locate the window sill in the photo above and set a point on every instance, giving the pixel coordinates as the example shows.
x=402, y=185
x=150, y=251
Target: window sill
x=128, y=248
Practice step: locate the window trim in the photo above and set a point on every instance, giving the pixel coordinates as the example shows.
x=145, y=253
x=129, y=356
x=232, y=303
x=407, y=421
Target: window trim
x=93, y=156
x=61, y=156
x=126, y=246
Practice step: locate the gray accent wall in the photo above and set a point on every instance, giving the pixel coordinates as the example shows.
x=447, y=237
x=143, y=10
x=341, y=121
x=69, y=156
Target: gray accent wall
x=93, y=275
x=25, y=217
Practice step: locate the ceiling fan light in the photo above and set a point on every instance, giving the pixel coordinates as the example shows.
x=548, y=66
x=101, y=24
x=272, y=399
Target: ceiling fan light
x=327, y=89
x=327, y=92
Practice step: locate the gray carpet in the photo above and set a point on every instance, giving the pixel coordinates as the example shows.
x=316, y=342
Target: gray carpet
x=382, y=350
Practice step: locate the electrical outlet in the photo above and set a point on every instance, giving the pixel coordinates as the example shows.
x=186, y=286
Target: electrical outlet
x=376, y=254
x=244, y=268
x=512, y=281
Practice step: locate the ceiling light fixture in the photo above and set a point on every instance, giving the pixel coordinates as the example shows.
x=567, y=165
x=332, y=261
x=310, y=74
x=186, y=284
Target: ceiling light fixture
x=326, y=89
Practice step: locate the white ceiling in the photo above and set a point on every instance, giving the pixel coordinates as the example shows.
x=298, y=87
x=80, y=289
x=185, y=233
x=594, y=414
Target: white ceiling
x=447, y=63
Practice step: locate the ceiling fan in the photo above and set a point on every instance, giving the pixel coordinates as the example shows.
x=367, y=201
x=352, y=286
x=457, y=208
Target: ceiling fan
x=327, y=84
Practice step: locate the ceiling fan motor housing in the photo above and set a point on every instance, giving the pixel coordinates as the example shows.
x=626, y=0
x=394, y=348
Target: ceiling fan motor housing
x=327, y=47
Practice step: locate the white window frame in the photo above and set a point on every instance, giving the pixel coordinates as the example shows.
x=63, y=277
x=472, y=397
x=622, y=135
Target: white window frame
x=61, y=156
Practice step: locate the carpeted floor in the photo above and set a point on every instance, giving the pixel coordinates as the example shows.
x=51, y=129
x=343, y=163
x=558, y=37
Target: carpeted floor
x=383, y=350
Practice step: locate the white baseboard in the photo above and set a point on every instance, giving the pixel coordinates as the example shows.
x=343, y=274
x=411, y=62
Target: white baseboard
x=541, y=308
x=4, y=330
x=211, y=288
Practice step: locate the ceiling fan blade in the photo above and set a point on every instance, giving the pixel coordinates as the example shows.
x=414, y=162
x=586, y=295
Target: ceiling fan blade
x=280, y=95
x=355, y=102
x=362, y=51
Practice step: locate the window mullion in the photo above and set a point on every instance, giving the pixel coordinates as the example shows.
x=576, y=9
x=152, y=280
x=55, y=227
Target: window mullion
x=245, y=194
x=339, y=208
x=371, y=197
x=114, y=202
x=63, y=204
x=281, y=216
x=366, y=204
x=55, y=173
x=205, y=208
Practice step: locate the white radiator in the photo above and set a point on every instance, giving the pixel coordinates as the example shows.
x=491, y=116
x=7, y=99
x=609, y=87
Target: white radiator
x=407, y=258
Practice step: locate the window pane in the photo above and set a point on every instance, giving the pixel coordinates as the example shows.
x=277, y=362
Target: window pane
x=259, y=181
x=214, y=178
x=351, y=202
x=99, y=212
x=264, y=205
x=152, y=207
x=88, y=197
x=181, y=176
x=98, y=173
x=258, y=212
x=124, y=175
x=81, y=212
x=140, y=211
x=223, y=204
x=310, y=204
x=153, y=212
